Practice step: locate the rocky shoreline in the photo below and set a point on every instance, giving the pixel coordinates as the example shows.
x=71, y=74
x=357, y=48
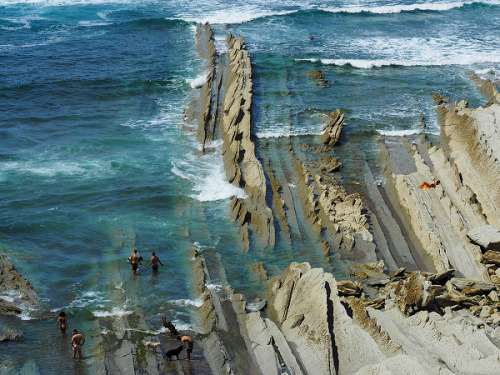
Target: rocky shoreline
x=418, y=285
x=440, y=317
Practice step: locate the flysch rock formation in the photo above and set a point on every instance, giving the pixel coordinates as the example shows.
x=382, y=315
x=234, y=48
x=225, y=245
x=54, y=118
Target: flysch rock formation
x=472, y=136
x=330, y=206
x=438, y=218
x=243, y=169
x=223, y=109
x=486, y=87
x=441, y=318
x=314, y=324
x=16, y=293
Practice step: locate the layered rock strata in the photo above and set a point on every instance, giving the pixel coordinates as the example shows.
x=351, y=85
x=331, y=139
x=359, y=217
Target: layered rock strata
x=487, y=88
x=335, y=334
x=243, y=169
x=438, y=218
x=17, y=290
x=473, y=139
x=203, y=110
x=223, y=109
x=330, y=206
x=333, y=127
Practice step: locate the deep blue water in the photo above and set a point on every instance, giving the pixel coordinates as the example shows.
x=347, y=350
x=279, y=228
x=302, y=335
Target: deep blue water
x=93, y=161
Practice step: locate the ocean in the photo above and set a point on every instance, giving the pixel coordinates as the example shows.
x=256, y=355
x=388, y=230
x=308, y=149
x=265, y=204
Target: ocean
x=95, y=158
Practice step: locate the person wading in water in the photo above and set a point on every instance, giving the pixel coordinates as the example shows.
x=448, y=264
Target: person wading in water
x=62, y=323
x=77, y=342
x=154, y=262
x=135, y=260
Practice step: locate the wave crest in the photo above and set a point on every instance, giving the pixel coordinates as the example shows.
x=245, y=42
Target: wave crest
x=391, y=9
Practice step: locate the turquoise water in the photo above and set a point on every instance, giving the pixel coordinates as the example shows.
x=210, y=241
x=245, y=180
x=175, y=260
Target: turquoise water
x=93, y=161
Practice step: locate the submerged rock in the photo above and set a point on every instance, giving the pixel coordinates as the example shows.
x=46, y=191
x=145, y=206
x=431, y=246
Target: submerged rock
x=11, y=335
x=317, y=74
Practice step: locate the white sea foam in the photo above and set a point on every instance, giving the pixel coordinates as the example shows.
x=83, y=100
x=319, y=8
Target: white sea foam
x=199, y=81
x=216, y=287
x=207, y=175
x=88, y=298
x=115, y=312
x=400, y=133
x=282, y=133
x=236, y=15
x=445, y=49
x=220, y=44
x=25, y=316
x=119, y=286
x=492, y=73
x=388, y=9
x=92, y=23
x=188, y=302
x=380, y=180
x=10, y=295
x=51, y=168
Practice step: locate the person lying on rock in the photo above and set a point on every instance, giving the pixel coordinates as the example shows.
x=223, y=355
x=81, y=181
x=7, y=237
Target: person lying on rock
x=426, y=185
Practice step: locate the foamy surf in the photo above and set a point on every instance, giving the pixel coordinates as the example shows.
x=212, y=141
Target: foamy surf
x=398, y=133
x=380, y=63
x=208, y=177
x=198, y=82
x=188, y=302
x=115, y=312
x=390, y=9
x=234, y=16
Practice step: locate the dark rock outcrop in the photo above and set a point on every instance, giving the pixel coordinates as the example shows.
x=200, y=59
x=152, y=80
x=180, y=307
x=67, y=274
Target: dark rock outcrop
x=13, y=282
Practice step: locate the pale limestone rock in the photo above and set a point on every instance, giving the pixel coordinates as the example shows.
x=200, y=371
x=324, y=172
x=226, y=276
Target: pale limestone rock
x=486, y=236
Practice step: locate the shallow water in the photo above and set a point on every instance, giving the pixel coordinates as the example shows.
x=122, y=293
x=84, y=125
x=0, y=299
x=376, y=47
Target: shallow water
x=93, y=161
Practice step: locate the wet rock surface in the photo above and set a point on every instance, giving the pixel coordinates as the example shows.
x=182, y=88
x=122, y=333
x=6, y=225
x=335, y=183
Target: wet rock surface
x=19, y=290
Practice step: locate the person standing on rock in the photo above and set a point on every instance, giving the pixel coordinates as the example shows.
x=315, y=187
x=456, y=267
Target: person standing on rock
x=154, y=262
x=134, y=260
x=77, y=342
x=189, y=341
x=62, y=323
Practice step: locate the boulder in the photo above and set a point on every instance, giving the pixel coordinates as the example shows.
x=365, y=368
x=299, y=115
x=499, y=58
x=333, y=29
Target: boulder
x=397, y=273
x=461, y=284
x=10, y=335
x=349, y=288
x=317, y=74
x=439, y=99
x=333, y=127
x=441, y=276
x=486, y=236
x=413, y=294
x=491, y=257
x=330, y=164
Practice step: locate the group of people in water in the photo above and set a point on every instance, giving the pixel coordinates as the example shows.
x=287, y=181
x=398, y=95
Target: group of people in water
x=77, y=340
x=135, y=260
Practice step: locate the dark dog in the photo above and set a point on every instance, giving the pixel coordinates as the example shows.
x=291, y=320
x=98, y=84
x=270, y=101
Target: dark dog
x=170, y=326
x=174, y=352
